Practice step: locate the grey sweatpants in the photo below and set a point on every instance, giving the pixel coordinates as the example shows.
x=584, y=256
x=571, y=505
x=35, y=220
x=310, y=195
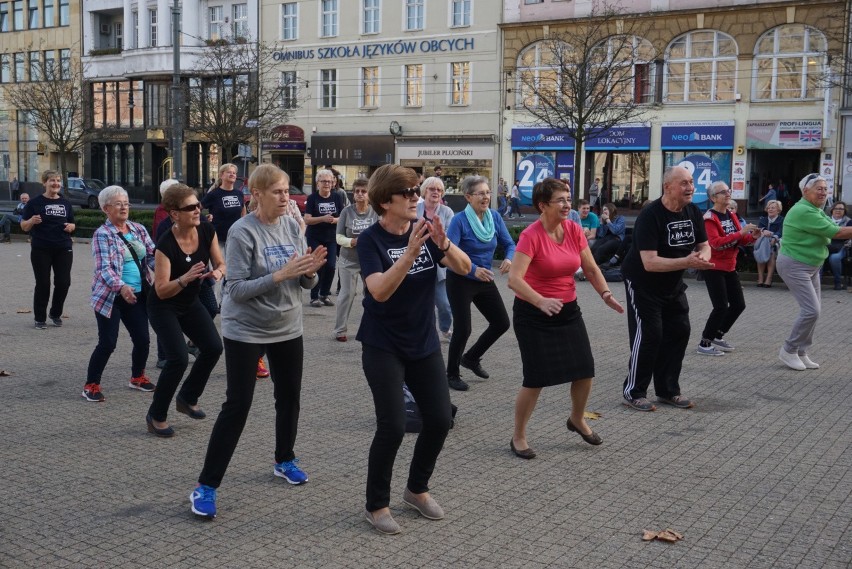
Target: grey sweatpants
x=804, y=282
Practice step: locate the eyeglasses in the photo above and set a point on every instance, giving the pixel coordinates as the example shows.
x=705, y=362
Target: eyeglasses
x=561, y=201
x=325, y=181
x=190, y=208
x=359, y=191
x=407, y=193
x=839, y=209
x=121, y=205
x=723, y=192
x=481, y=194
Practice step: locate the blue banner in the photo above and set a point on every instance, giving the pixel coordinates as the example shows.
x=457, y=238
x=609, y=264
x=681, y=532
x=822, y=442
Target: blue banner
x=698, y=135
x=624, y=138
x=531, y=169
x=541, y=139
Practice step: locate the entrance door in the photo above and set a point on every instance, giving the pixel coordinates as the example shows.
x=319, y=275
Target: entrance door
x=776, y=166
x=294, y=165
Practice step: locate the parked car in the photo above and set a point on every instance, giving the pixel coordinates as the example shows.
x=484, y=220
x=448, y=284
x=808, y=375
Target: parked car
x=83, y=192
x=296, y=194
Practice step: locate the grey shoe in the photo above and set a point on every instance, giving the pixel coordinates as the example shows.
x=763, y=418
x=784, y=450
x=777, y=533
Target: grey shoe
x=640, y=404
x=429, y=509
x=316, y=303
x=709, y=351
x=722, y=345
x=384, y=523
x=677, y=401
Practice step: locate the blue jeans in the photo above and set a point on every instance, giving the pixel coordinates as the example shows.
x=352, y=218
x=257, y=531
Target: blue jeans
x=135, y=320
x=835, y=261
x=445, y=314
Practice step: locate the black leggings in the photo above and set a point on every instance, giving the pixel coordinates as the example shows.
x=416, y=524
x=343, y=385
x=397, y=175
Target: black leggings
x=43, y=260
x=386, y=372
x=285, y=368
x=726, y=294
x=461, y=292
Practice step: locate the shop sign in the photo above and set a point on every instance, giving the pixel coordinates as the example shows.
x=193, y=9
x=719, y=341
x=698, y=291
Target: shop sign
x=377, y=49
x=798, y=135
x=352, y=150
x=704, y=135
x=287, y=132
x=444, y=152
x=294, y=145
x=541, y=139
x=624, y=137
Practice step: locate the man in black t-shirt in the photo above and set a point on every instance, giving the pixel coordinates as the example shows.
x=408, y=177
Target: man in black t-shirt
x=668, y=238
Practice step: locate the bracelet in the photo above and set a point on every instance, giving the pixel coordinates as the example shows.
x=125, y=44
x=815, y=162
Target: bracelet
x=449, y=244
x=606, y=291
x=180, y=283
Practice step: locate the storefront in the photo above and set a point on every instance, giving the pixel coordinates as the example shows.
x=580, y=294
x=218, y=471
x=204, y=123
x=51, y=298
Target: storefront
x=540, y=153
x=286, y=148
x=353, y=156
x=455, y=157
x=705, y=148
x=781, y=153
x=620, y=157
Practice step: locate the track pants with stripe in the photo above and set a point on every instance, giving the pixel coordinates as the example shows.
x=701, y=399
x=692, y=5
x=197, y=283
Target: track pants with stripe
x=659, y=334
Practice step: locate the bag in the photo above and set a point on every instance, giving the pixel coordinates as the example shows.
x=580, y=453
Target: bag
x=612, y=275
x=763, y=250
x=413, y=422
x=143, y=273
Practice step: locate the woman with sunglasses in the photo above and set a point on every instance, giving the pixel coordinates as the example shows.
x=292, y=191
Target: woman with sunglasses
x=725, y=235
x=322, y=211
x=477, y=231
x=399, y=258
x=807, y=233
x=180, y=266
x=354, y=219
x=838, y=248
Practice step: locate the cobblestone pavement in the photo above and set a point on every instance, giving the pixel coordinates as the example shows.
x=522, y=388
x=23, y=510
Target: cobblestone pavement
x=759, y=474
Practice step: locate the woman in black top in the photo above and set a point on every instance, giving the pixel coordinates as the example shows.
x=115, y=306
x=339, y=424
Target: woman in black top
x=49, y=219
x=321, y=214
x=180, y=265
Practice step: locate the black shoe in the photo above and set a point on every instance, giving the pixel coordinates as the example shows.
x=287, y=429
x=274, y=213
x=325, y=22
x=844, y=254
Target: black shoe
x=57, y=322
x=527, y=453
x=457, y=383
x=165, y=433
x=193, y=349
x=183, y=407
x=474, y=366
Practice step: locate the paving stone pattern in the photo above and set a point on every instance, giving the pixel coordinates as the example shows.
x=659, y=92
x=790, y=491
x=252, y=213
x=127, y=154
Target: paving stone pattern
x=759, y=474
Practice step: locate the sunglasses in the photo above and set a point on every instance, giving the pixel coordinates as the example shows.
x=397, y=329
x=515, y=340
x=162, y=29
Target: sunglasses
x=408, y=193
x=190, y=208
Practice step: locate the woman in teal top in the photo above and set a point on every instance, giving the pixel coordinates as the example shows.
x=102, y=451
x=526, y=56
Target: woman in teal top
x=804, y=248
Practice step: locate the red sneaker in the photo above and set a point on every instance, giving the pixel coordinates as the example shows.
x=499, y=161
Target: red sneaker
x=262, y=372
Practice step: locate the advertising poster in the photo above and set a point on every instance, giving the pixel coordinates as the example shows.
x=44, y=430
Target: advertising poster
x=705, y=170
x=826, y=170
x=533, y=167
x=738, y=179
x=803, y=134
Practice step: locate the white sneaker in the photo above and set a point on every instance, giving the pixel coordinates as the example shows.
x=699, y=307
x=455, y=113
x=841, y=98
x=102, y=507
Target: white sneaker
x=809, y=363
x=709, y=351
x=791, y=360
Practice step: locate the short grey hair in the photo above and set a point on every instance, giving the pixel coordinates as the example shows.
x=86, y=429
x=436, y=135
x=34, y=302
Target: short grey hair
x=166, y=184
x=430, y=182
x=106, y=195
x=470, y=182
x=325, y=172
x=810, y=180
x=714, y=187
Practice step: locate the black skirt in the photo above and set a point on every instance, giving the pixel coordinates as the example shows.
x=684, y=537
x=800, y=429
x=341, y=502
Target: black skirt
x=554, y=349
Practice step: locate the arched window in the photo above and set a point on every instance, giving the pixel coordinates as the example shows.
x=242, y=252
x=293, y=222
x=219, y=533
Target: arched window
x=624, y=64
x=538, y=71
x=789, y=63
x=701, y=66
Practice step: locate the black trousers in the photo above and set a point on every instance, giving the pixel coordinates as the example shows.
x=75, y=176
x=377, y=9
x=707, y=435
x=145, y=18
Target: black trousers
x=285, y=368
x=170, y=324
x=726, y=294
x=605, y=248
x=135, y=320
x=659, y=333
x=386, y=372
x=462, y=292
x=326, y=272
x=45, y=259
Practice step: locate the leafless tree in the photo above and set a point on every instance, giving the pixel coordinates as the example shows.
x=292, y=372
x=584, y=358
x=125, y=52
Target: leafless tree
x=229, y=101
x=589, y=75
x=52, y=103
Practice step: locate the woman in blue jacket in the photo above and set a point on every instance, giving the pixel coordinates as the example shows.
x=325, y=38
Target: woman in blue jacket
x=610, y=234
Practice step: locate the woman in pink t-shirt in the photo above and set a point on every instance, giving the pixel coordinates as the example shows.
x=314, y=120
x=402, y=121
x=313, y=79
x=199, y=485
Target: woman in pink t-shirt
x=551, y=334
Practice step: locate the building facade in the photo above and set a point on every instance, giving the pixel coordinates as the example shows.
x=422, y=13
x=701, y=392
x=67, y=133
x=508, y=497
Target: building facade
x=376, y=82
x=735, y=91
x=34, y=35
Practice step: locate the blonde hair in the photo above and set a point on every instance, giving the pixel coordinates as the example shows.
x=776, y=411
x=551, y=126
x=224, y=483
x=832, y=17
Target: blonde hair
x=265, y=175
x=776, y=202
x=222, y=169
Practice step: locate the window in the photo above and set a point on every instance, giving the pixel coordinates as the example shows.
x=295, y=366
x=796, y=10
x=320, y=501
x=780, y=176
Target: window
x=329, y=18
x=50, y=70
x=414, y=85
x=64, y=13
x=461, y=13
x=5, y=68
x=49, y=21
x=215, y=21
x=18, y=14
x=372, y=17
x=35, y=65
x=369, y=87
x=114, y=104
x=460, y=83
x=538, y=72
x=413, y=15
x=20, y=68
x=533, y=1
x=701, y=66
x=4, y=16
x=65, y=64
x=119, y=34
x=240, y=12
x=152, y=23
x=789, y=63
x=328, y=88
x=289, y=90
x=135, y=17
x=290, y=21
x=32, y=15
x=157, y=107
x=622, y=68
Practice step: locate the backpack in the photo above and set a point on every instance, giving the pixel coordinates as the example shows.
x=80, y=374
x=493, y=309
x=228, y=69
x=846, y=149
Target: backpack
x=762, y=250
x=413, y=422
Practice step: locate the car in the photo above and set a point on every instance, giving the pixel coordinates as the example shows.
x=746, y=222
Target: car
x=83, y=192
x=296, y=194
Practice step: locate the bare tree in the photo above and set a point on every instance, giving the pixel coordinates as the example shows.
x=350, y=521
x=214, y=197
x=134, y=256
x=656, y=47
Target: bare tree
x=229, y=102
x=53, y=105
x=589, y=75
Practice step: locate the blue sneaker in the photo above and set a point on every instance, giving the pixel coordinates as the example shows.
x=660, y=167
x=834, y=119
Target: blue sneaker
x=203, y=500
x=290, y=472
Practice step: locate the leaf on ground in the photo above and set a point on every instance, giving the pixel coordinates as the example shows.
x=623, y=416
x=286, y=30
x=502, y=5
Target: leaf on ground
x=668, y=535
x=594, y=415
x=4, y=373
x=23, y=311
x=648, y=535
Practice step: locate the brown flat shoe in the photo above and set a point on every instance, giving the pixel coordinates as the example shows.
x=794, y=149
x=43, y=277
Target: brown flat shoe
x=527, y=453
x=592, y=438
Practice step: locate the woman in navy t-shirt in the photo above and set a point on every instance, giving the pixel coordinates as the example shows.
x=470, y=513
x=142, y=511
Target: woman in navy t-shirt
x=322, y=211
x=399, y=259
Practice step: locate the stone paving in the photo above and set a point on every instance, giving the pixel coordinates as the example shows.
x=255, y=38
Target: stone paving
x=759, y=474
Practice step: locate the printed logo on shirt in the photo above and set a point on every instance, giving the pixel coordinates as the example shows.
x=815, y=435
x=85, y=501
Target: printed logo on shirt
x=231, y=201
x=277, y=256
x=55, y=210
x=728, y=226
x=326, y=208
x=424, y=260
x=681, y=233
x=359, y=225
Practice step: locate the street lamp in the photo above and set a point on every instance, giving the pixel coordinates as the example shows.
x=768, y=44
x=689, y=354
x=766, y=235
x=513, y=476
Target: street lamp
x=177, y=107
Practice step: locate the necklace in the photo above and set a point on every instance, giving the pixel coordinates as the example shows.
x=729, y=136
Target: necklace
x=188, y=259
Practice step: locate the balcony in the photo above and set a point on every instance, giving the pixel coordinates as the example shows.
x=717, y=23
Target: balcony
x=138, y=62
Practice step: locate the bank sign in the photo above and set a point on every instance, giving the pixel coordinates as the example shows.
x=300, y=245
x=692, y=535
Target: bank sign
x=376, y=49
x=629, y=137
x=704, y=135
x=541, y=139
